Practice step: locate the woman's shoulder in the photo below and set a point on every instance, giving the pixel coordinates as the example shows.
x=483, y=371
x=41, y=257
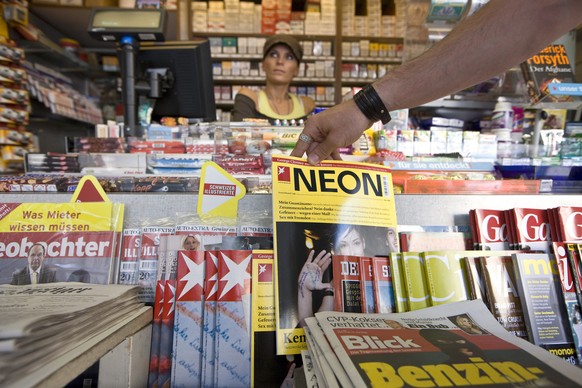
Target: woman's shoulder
x=250, y=93
x=308, y=104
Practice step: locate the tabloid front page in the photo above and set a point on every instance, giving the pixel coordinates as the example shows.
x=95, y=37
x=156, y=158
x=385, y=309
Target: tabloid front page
x=335, y=208
x=428, y=348
x=76, y=241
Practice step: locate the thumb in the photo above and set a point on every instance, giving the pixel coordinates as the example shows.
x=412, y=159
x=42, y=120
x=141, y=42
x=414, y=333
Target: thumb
x=321, y=151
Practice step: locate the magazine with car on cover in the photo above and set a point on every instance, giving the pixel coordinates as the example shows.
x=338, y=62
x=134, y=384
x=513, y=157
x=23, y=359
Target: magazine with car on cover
x=456, y=344
x=335, y=208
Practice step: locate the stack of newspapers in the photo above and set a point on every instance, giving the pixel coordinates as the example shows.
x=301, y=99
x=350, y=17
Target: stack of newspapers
x=455, y=344
x=40, y=323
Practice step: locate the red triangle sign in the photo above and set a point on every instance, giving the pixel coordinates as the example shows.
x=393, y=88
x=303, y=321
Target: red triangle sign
x=89, y=190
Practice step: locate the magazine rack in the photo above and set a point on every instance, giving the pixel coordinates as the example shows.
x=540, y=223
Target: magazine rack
x=415, y=209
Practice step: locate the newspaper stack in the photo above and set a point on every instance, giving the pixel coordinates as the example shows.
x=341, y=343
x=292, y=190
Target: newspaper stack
x=455, y=344
x=40, y=323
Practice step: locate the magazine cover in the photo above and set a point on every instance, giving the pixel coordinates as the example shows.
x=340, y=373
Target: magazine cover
x=148, y=259
x=415, y=280
x=58, y=242
x=156, y=333
x=399, y=283
x=455, y=344
x=166, y=334
x=502, y=294
x=472, y=270
x=383, y=286
x=570, y=299
x=335, y=208
x=346, y=284
x=573, y=253
x=209, y=319
x=569, y=223
x=490, y=229
x=232, y=339
x=187, y=350
x=367, y=285
x=532, y=229
x=446, y=279
x=267, y=369
x=544, y=311
x=131, y=241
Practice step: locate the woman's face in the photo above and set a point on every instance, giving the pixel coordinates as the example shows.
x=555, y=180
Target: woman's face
x=280, y=65
x=351, y=243
x=463, y=322
x=191, y=243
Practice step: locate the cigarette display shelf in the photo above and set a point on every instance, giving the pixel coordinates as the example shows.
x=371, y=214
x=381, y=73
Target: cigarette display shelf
x=253, y=80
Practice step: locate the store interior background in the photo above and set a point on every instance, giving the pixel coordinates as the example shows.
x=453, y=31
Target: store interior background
x=58, y=21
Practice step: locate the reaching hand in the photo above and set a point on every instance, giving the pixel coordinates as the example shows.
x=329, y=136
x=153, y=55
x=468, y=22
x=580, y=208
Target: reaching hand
x=337, y=127
x=312, y=272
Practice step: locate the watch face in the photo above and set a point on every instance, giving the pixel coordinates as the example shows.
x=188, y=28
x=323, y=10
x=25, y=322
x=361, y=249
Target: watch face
x=131, y=19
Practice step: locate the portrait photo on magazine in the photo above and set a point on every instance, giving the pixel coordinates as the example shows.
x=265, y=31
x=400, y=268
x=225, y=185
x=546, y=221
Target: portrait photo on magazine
x=305, y=263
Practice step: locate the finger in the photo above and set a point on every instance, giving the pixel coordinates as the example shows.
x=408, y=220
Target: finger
x=291, y=370
x=322, y=151
x=319, y=256
x=303, y=142
x=327, y=262
x=310, y=256
x=335, y=155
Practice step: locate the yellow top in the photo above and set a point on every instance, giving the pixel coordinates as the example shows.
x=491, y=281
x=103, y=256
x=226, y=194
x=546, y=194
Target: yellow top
x=264, y=107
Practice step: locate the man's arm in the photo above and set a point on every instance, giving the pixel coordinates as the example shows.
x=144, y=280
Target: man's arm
x=498, y=36
x=502, y=34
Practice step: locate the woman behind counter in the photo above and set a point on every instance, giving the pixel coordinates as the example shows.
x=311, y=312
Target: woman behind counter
x=281, y=57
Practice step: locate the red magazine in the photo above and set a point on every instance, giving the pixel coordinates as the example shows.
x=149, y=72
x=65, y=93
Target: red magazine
x=511, y=229
x=553, y=220
x=491, y=229
x=532, y=229
x=346, y=283
x=367, y=285
x=569, y=223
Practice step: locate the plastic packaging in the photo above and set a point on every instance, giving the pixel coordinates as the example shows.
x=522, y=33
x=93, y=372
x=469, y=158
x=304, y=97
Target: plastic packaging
x=502, y=114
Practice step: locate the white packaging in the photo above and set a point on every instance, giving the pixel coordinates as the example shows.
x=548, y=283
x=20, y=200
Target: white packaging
x=502, y=114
